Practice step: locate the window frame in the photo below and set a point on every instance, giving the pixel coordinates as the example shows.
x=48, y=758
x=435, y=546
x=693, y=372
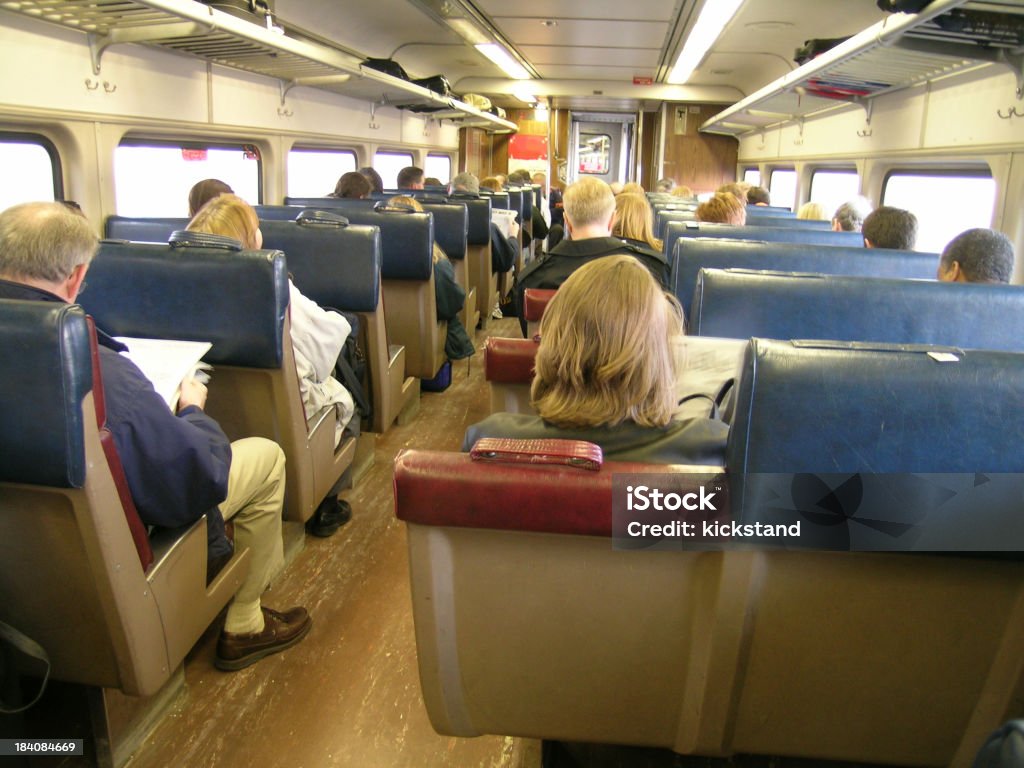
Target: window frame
x=142, y=141
x=315, y=148
x=607, y=154
x=56, y=167
x=969, y=172
x=796, y=188
x=446, y=156
x=404, y=152
x=755, y=169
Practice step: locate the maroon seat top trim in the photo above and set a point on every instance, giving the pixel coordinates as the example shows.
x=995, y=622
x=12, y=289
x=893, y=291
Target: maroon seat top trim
x=138, y=530
x=450, y=489
x=509, y=361
x=535, y=301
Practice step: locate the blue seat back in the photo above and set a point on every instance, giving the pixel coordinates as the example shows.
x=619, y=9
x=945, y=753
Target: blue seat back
x=876, y=446
x=234, y=299
x=515, y=203
x=741, y=304
x=333, y=263
x=769, y=210
x=757, y=220
x=776, y=234
x=498, y=199
x=666, y=215
x=692, y=254
x=406, y=237
x=46, y=358
x=142, y=230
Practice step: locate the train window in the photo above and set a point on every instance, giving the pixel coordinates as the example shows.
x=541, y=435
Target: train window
x=439, y=167
x=945, y=203
x=153, y=178
x=783, y=187
x=31, y=170
x=315, y=172
x=752, y=176
x=831, y=187
x=388, y=164
x=595, y=153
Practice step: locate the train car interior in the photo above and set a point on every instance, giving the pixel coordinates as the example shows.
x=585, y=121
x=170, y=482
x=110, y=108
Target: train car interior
x=825, y=186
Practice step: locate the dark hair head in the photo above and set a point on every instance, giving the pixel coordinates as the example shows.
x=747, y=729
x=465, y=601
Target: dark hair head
x=888, y=227
x=757, y=195
x=410, y=177
x=203, y=192
x=353, y=185
x=984, y=256
x=376, y=182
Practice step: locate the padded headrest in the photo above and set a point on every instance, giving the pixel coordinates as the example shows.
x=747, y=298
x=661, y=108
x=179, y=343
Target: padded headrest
x=810, y=406
x=740, y=304
x=479, y=211
x=333, y=264
x=535, y=301
x=691, y=254
x=234, y=299
x=47, y=369
x=498, y=199
x=807, y=412
x=664, y=216
x=406, y=237
x=776, y=234
x=515, y=202
x=509, y=361
x=449, y=489
x=451, y=227
x=142, y=230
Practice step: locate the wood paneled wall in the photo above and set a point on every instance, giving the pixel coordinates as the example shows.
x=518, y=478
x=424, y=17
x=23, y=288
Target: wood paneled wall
x=701, y=161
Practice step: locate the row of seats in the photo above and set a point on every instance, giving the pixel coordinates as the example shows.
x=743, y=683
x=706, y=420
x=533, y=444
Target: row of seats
x=853, y=656
x=754, y=219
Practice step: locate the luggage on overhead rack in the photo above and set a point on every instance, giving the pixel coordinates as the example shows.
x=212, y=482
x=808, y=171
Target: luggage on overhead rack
x=388, y=67
x=437, y=83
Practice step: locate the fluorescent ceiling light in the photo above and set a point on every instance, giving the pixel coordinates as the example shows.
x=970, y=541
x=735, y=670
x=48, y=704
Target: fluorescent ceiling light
x=524, y=93
x=503, y=59
x=468, y=31
x=712, y=20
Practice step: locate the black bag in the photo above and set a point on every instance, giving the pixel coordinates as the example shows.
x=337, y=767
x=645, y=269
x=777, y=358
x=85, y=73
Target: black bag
x=351, y=368
x=816, y=47
x=388, y=67
x=438, y=84
x=902, y=6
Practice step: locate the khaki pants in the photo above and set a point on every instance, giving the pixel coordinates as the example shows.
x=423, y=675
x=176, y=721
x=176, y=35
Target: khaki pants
x=255, y=498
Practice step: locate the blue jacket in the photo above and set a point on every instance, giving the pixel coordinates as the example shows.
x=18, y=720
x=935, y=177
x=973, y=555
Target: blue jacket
x=176, y=465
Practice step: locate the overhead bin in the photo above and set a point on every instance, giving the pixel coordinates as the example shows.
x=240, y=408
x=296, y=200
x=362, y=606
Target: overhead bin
x=189, y=26
x=900, y=51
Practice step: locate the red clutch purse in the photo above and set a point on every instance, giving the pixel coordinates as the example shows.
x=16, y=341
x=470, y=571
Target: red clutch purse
x=572, y=453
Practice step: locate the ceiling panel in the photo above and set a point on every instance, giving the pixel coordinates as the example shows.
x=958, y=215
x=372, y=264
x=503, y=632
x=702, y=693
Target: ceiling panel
x=638, y=10
x=541, y=55
x=593, y=73
x=621, y=34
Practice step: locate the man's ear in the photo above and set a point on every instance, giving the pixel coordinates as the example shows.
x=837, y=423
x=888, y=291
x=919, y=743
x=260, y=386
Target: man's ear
x=612, y=220
x=867, y=243
x=568, y=223
x=73, y=285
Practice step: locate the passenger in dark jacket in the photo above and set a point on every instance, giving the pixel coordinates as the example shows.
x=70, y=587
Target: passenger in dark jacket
x=590, y=217
x=179, y=466
x=605, y=372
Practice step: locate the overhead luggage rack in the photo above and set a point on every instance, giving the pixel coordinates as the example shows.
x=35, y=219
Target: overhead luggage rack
x=283, y=53
x=900, y=51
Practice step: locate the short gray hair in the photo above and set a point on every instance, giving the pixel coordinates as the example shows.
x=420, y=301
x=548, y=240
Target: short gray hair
x=588, y=201
x=984, y=256
x=44, y=241
x=850, y=215
x=666, y=185
x=466, y=181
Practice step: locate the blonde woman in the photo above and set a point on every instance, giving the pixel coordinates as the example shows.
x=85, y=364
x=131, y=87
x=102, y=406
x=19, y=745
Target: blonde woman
x=813, y=211
x=633, y=222
x=605, y=372
x=448, y=294
x=317, y=339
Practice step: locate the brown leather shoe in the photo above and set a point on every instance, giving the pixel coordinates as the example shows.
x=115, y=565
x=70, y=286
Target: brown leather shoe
x=280, y=631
